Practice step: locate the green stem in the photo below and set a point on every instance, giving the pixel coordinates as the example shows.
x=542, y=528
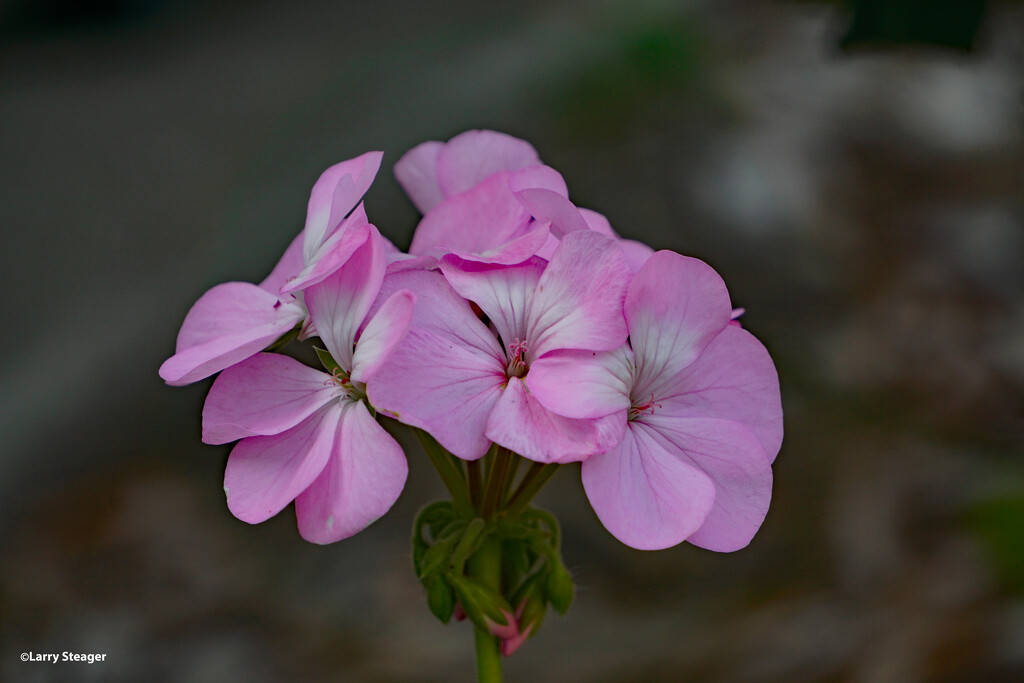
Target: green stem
x=451, y=473
x=510, y=478
x=475, y=485
x=485, y=567
x=496, y=482
x=532, y=482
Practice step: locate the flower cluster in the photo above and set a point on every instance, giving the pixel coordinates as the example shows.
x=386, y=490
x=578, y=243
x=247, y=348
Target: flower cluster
x=517, y=324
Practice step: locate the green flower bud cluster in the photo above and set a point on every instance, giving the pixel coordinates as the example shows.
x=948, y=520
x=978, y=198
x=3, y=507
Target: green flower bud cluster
x=533, y=575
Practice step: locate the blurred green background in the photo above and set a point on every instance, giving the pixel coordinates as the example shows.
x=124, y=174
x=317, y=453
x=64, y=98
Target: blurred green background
x=854, y=170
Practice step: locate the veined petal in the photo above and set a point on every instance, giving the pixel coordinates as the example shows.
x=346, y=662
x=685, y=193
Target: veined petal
x=645, y=495
x=578, y=300
x=480, y=219
x=334, y=195
x=446, y=373
x=265, y=473
x=549, y=206
x=333, y=253
x=338, y=305
x=502, y=292
x=288, y=267
x=263, y=395
x=734, y=378
x=226, y=325
x=520, y=423
x=416, y=172
x=675, y=306
x=514, y=251
x=382, y=334
x=474, y=156
x=583, y=384
x=732, y=457
x=361, y=481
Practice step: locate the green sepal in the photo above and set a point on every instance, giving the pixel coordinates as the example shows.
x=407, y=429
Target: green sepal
x=437, y=557
x=284, y=339
x=480, y=603
x=533, y=516
x=440, y=597
x=470, y=541
x=534, y=611
x=328, y=361
x=518, y=560
x=560, y=588
x=428, y=519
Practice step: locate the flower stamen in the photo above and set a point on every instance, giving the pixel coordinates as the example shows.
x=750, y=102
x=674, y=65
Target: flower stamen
x=636, y=410
x=517, y=365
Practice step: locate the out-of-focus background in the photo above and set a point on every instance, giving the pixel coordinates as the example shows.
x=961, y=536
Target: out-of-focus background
x=854, y=170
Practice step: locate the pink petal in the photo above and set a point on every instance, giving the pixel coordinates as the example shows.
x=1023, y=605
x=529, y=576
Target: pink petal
x=338, y=304
x=287, y=268
x=446, y=374
x=333, y=253
x=538, y=177
x=226, y=325
x=361, y=481
x=515, y=250
x=582, y=384
x=406, y=262
x=676, y=305
x=520, y=423
x=733, y=379
x=598, y=223
x=545, y=205
x=502, y=292
x=334, y=195
x=637, y=253
x=382, y=334
x=480, y=220
x=510, y=645
x=578, y=301
x=265, y=473
x=416, y=172
x=263, y=395
x=644, y=495
x=472, y=157
x=731, y=456
x=548, y=250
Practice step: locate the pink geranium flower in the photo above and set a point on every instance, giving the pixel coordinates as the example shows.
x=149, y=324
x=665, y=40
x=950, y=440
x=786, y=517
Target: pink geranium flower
x=235, y=320
x=453, y=377
x=467, y=191
x=309, y=436
x=704, y=421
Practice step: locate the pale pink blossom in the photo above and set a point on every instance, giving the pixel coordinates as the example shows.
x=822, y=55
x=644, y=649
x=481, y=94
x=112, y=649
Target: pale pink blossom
x=704, y=421
x=232, y=321
x=309, y=436
x=485, y=196
x=467, y=191
x=469, y=386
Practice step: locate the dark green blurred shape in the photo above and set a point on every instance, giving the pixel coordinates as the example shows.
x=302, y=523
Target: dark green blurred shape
x=889, y=23
x=999, y=522
x=648, y=66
